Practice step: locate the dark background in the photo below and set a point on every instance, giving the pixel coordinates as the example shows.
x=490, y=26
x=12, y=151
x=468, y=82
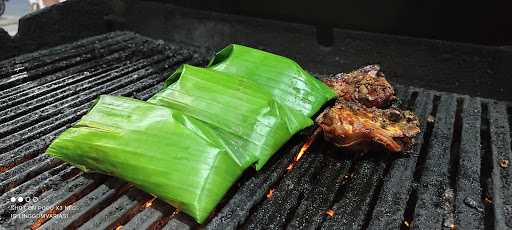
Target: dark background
x=477, y=22
x=324, y=36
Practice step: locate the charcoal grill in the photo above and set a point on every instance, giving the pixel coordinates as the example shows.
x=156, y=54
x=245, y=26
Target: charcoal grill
x=457, y=176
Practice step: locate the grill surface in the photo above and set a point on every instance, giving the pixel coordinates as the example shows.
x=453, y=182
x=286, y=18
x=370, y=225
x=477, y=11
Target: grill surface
x=455, y=175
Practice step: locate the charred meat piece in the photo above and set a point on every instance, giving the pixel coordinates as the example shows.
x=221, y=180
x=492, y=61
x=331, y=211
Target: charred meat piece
x=352, y=126
x=366, y=85
x=361, y=118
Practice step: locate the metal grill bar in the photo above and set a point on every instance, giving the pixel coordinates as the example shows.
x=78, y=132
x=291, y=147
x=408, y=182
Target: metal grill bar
x=19, y=176
x=44, y=182
x=350, y=210
x=29, y=90
x=238, y=208
x=25, y=135
x=106, y=219
x=311, y=212
x=75, y=57
x=501, y=175
x=274, y=212
x=15, y=64
x=429, y=212
x=27, y=151
x=24, y=108
x=391, y=206
x=146, y=218
x=59, y=198
x=470, y=212
x=84, y=208
x=180, y=222
x=23, y=167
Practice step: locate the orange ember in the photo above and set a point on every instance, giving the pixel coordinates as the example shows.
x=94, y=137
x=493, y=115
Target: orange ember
x=176, y=212
x=269, y=194
x=330, y=212
x=504, y=163
x=149, y=203
x=304, y=149
x=119, y=227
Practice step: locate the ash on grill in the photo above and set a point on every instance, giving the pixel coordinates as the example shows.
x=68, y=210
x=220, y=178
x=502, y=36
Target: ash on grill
x=456, y=176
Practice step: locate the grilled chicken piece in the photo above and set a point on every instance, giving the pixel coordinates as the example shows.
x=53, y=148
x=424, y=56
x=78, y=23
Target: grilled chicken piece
x=361, y=118
x=351, y=126
x=366, y=85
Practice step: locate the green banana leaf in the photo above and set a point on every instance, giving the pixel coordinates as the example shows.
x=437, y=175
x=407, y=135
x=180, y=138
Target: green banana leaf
x=193, y=139
x=149, y=146
x=247, y=121
x=288, y=82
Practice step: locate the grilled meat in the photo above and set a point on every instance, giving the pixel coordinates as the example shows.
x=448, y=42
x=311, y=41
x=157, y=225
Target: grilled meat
x=352, y=126
x=361, y=118
x=366, y=85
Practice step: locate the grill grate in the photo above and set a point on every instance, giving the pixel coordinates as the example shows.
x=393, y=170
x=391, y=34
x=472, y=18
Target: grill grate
x=454, y=176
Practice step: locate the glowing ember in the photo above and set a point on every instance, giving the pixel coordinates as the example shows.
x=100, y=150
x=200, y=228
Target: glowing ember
x=149, y=203
x=119, y=227
x=330, y=212
x=269, y=194
x=430, y=119
x=304, y=148
x=175, y=212
x=488, y=200
x=453, y=226
x=407, y=224
x=504, y=163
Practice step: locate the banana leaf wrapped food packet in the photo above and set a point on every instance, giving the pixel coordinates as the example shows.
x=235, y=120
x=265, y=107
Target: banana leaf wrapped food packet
x=196, y=137
x=149, y=146
x=288, y=83
x=250, y=124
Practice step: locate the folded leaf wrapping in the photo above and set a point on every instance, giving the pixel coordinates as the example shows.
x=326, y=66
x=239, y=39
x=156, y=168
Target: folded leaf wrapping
x=193, y=139
x=247, y=120
x=149, y=146
x=284, y=78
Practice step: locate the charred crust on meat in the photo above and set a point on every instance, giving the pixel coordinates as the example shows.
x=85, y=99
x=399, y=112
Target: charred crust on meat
x=362, y=119
x=366, y=86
